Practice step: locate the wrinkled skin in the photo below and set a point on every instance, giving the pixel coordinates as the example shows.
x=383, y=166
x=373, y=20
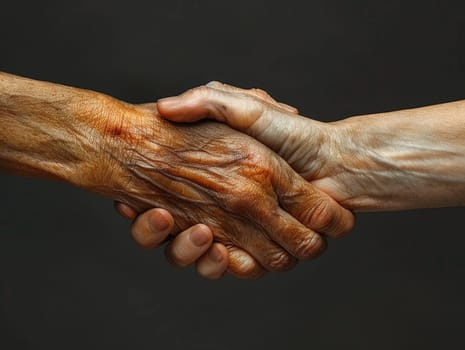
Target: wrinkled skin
x=374, y=162
x=257, y=206
x=300, y=141
x=208, y=173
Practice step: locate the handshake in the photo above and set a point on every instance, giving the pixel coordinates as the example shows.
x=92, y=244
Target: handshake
x=257, y=189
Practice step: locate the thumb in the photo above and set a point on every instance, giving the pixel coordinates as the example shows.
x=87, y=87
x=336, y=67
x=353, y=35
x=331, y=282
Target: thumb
x=240, y=111
x=283, y=132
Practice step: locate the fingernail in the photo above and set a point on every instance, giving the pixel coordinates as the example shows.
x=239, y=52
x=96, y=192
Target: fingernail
x=199, y=237
x=158, y=222
x=215, y=254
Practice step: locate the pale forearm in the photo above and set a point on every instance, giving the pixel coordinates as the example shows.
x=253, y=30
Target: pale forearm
x=406, y=159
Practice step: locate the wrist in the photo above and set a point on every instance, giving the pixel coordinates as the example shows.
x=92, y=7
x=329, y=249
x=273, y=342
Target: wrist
x=44, y=131
x=402, y=160
x=127, y=136
x=113, y=131
x=366, y=171
x=360, y=173
x=92, y=114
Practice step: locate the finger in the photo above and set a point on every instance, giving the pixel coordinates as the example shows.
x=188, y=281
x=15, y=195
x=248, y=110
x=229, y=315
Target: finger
x=238, y=110
x=310, y=206
x=214, y=263
x=149, y=105
x=267, y=253
x=189, y=245
x=288, y=108
x=125, y=210
x=258, y=93
x=299, y=240
x=151, y=228
x=253, y=237
x=243, y=265
x=274, y=224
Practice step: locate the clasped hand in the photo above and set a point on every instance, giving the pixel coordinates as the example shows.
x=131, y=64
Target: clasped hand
x=256, y=214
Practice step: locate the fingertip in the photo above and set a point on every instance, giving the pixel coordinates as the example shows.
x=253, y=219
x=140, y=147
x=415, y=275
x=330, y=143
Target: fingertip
x=189, y=245
x=214, y=263
x=244, y=266
x=151, y=228
x=214, y=84
x=347, y=223
x=160, y=221
x=312, y=248
x=218, y=253
x=330, y=218
x=288, y=108
x=124, y=210
x=181, y=109
x=166, y=106
x=201, y=235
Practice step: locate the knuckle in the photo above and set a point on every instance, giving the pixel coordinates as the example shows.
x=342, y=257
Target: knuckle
x=346, y=227
x=239, y=202
x=251, y=205
x=280, y=261
x=244, y=200
x=261, y=93
x=214, y=84
x=199, y=91
x=320, y=216
x=310, y=247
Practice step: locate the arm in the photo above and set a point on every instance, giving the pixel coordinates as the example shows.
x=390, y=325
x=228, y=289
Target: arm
x=48, y=130
x=404, y=159
x=390, y=161
x=41, y=125
x=201, y=173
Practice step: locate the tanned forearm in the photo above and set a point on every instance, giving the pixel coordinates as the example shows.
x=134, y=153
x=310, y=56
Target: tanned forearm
x=58, y=132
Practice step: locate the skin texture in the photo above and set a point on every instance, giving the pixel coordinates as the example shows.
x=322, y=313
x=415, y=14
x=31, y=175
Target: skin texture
x=389, y=161
x=373, y=162
x=257, y=207
x=154, y=227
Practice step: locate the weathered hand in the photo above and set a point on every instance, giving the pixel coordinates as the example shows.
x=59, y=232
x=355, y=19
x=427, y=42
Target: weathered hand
x=154, y=227
x=304, y=143
x=208, y=173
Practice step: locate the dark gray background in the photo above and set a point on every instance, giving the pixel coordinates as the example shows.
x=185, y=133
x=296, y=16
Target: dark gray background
x=70, y=276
